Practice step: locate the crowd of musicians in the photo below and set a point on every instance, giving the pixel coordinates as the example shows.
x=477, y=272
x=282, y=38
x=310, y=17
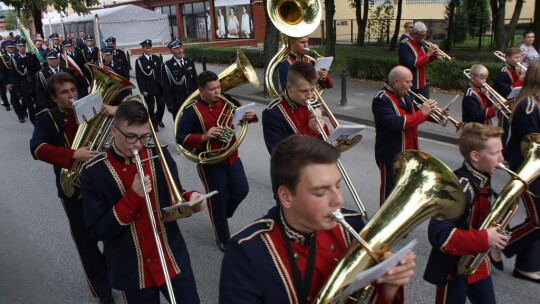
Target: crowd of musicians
x=288, y=255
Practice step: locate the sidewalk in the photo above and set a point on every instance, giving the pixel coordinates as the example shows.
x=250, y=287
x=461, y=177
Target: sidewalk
x=358, y=107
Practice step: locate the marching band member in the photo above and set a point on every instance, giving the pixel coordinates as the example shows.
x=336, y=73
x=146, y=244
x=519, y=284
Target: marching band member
x=5, y=69
x=476, y=105
x=525, y=240
x=286, y=256
x=148, y=75
x=396, y=123
x=197, y=126
x=289, y=115
x=116, y=213
x=55, y=39
x=179, y=78
x=298, y=53
x=54, y=131
x=481, y=148
x=415, y=56
x=69, y=59
x=88, y=54
x=407, y=27
x=44, y=100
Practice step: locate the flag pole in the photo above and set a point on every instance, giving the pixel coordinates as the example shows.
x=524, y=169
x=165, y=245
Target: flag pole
x=29, y=41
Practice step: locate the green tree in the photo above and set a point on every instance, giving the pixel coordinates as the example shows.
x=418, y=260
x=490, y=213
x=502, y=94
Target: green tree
x=477, y=15
x=497, y=17
x=11, y=20
x=361, y=18
x=379, y=20
x=513, y=23
x=330, y=31
x=457, y=24
x=393, y=41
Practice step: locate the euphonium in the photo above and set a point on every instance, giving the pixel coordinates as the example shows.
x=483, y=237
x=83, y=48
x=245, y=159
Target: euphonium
x=426, y=188
x=293, y=18
x=506, y=204
x=95, y=132
x=235, y=75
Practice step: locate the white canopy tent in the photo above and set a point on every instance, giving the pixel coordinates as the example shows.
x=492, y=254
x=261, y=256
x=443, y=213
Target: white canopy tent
x=129, y=24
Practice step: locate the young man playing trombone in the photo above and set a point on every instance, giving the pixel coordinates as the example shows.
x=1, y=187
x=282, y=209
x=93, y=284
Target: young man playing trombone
x=476, y=106
x=289, y=254
x=116, y=212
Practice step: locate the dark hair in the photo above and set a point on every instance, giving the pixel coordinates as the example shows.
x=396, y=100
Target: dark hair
x=293, y=154
x=205, y=77
x=57, y=79
x=527, y=32
x=132, y=111
x=512, y=51
x=302, y=70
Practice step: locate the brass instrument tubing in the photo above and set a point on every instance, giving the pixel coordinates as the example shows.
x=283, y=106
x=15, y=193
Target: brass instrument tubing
x=356, y=198
x=338, y=217
x=154, y=226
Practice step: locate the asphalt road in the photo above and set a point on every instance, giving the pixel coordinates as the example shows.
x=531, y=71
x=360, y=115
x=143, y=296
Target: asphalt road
x=39, y=264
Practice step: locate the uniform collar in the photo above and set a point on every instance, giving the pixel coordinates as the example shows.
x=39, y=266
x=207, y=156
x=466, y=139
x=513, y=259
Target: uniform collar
x=119, y=156
x=289, y=101
x=481, y=178
x=296, y=56
x=293, y=234
x=390, y=88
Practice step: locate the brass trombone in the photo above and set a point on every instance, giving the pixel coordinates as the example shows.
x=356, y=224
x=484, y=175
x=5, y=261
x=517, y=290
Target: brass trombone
x=502, y=57
x=439, y=53
x=437, y=115
x=493, y=96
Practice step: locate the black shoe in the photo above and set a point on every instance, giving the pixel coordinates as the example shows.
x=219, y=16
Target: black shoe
x=221, y=246
x=497, y=264
x=519, y=275
x=161, y=124
x=8, y=108
x=156, y=129
x=21, y=119
x=107, y=300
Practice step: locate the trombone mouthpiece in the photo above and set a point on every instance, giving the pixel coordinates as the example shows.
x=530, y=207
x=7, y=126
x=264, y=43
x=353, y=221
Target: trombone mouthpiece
x=135, y=151
x=501, y=166
x=338, y=216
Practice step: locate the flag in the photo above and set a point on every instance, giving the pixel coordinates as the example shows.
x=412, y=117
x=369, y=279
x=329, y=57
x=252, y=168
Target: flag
x=29, y=44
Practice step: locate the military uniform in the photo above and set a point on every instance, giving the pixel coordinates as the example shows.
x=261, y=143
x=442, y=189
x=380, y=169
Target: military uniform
x=179, y=80
x=88, y=55
x=396, y=130
x=413, y=55
x=525, y=240
x=43, y=97
x=507, y=80
x=285, y=64
x=23, y=78
x=55, y=47
x=453, y=239
x=5, y=67
x=476, y=107
x=53, y=134
x=282, y=118
x=227, y=176
x=256, y=267
x=148, y=75
x=69, y=59
x=118, y=216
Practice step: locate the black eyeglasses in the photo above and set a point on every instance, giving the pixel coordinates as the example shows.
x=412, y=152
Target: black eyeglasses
x=130, y=139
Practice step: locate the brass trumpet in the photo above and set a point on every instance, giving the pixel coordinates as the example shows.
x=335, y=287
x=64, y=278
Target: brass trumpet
x=437, y=115
x=502, y=57
x=493, y=96
x=439, y=53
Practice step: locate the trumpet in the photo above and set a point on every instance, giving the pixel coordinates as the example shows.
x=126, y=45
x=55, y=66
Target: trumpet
x=437, y=115
x=502, y=57
x=493, y=96
x=439, y=53
x=311, y=105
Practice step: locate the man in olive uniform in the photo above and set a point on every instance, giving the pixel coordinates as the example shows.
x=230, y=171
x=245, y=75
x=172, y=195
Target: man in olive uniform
x=147, y=72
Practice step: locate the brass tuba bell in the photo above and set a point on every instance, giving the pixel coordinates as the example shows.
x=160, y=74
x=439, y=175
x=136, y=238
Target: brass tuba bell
x=240, y=72
x=95, y=132
x=426, y=188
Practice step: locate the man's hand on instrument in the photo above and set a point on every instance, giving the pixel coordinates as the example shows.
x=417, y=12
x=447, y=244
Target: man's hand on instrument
x=398, y=275
x=249, y=115
x=9, y=87
x=214, y=132
x=432, y=50
x=200, y=206
x=496, y=107
x=145, y=94
x=496, y=240
x=429, y=106
x=108, y=110
x=84, y=154
x=137, y=185
x=322, y=73
x=313, y=124
x=446, y=112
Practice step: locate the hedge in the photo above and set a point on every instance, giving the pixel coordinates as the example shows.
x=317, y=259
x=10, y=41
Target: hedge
x=224, y=55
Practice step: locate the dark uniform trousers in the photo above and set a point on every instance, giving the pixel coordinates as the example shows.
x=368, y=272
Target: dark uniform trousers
x=525, y=240
x=147, y=73
x=179, y=81
x=49, y=145
x=5, y=66
x=23, y=79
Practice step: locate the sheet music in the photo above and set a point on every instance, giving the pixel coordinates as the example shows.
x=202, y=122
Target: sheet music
x=190, y=203
x=87, y=107
x=370, y=275
x=239, y=113
x=323, y=63
x=345, y=132
x=514, y=93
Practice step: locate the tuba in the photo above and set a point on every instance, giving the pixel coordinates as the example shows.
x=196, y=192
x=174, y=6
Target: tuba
x=426, y=188
x=504, y=208
x=235, y=75
x=95, y=132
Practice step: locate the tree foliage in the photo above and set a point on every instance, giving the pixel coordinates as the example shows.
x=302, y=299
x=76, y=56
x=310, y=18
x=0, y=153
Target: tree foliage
x=379, y=20
x=477, y=15
x=30, y=6
x=11, y=20
x=393, y=41
x=330, y=31
x=361, y=17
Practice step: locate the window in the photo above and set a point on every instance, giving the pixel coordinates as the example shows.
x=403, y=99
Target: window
x=195, y=20
x=170, y=11
x=426, y=1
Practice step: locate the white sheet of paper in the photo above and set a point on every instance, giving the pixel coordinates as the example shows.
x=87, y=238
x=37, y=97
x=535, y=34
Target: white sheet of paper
x=365, y=277
x=514, y=93
x=190, y=203
x=86, y=107
x=323, y=63
x=239, y=113
x=344, y=132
